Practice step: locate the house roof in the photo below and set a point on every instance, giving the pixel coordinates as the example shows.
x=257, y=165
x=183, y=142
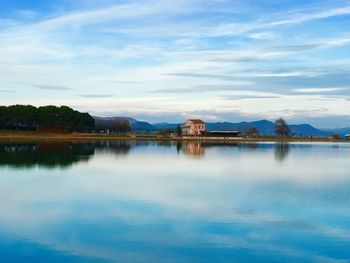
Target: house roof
x=195, y=121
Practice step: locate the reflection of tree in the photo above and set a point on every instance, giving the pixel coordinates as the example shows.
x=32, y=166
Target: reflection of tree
x=281, y=151
x=165, y=143
x=48, y=155
x=56, y=154
x=116, y=147
x=178, y=147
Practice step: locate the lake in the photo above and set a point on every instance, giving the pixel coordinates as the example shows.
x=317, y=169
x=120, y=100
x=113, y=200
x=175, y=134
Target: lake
x=126, y=201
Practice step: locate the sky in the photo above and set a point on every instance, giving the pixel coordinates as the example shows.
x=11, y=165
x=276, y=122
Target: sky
x=169, y=60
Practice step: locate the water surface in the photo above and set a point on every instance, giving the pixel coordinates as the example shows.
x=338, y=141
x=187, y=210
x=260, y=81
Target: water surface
x=170, y=202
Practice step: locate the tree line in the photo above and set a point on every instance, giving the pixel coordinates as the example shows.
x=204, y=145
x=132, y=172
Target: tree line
x=28, y=117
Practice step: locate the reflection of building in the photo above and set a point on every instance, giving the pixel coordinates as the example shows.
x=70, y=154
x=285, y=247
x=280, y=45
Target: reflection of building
x=193, y=148
x=193, y=127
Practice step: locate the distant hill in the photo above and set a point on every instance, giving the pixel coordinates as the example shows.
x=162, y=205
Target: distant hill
x=265, y=127
x=165, y=125
x=308, y=130
x=135, y=124
x=341, y=131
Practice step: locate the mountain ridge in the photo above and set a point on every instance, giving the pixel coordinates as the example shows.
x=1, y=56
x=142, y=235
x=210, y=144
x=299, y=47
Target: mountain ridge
x=264, y=126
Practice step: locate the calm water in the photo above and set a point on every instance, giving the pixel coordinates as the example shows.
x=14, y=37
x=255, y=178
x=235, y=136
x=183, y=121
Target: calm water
x=169, y=202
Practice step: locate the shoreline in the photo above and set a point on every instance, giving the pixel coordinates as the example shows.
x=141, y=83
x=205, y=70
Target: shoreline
x=35, y=136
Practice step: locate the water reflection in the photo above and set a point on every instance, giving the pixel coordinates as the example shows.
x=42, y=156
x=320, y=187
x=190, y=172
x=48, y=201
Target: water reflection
x=65, y=154
x=56, y=154
x=194, y=149
x=49, y=155
x=233, y=204
x=281, y=151
x=198, y=148
x=115, y=147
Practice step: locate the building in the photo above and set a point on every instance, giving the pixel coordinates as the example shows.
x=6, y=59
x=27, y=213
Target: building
x=347, y=136
x=193, y=127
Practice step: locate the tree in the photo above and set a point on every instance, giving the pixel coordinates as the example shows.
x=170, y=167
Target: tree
x=121, y=125
x=253, y=132
x=281, y=128
x=27, y=117
x=179, y=130
x=21, y=116
x=336, y=137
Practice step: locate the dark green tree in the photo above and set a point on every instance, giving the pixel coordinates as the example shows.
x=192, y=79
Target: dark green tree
x=179, y=130
x=27, y=117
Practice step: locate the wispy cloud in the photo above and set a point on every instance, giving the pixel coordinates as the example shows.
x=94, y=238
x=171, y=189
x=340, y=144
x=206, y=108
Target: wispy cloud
x=299, y=18
x=204, y=88
x=137, y=9
x=319, y=90
x=264, y=35
x=121, y=81
x=97, y=95
x=51, y=87
x=201, y=75
x=7, y=91
x=249, y=97
x=255, y=28
x=311, y=46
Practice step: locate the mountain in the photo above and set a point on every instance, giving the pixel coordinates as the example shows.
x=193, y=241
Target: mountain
x=165, y=125
x=341, y=131
x=135, y=124
x=308, y=130
x=265, y=127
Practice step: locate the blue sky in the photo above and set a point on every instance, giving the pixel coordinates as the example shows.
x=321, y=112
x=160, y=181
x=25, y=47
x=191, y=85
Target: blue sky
x=168, y=60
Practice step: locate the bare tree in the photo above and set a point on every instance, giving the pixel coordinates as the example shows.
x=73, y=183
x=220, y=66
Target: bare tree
x=121, y=125
x=281, y=128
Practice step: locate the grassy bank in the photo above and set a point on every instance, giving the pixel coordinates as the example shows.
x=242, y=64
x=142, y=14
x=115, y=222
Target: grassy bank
x=32, y=135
